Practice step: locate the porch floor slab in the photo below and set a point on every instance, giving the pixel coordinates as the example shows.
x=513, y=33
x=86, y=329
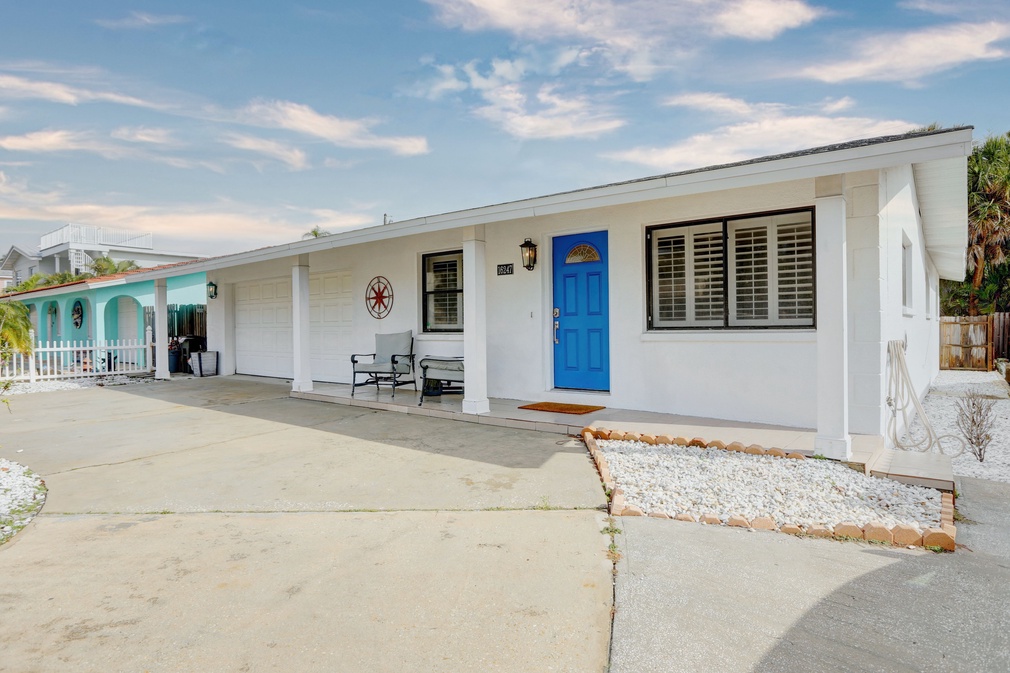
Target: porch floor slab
x=868, y=451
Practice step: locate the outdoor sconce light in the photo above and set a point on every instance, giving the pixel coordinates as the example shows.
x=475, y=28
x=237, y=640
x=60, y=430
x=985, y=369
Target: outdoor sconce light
x=529, y=251
x=212, y=290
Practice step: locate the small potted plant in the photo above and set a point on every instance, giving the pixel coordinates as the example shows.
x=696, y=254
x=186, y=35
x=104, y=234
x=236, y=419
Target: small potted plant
x=173, y=355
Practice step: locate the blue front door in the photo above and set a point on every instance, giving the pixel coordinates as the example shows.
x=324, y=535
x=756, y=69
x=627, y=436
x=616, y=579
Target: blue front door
x=581, y=312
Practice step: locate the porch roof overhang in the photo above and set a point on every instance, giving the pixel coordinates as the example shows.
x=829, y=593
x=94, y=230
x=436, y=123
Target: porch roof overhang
x=942, y=190
x=918, y=149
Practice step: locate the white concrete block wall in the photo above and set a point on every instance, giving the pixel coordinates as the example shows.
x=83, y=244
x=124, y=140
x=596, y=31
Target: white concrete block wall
x=866, y=303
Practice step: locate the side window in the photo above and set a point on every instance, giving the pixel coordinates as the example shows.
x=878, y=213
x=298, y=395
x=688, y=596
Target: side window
x=442, y=291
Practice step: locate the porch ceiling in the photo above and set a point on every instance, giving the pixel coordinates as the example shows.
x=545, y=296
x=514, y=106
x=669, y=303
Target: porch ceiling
x=942, y=190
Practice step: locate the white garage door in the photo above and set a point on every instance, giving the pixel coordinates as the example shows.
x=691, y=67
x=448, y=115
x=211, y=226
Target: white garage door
x=263, y=341
x=263, y=332
x=330, y=315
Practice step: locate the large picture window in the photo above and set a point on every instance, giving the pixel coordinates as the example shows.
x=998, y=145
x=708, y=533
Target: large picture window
x=443, y=292
x=750, y=271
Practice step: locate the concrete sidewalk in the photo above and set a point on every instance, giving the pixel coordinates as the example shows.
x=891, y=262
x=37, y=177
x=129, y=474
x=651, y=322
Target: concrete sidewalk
x=696, y=598
x=217, y=525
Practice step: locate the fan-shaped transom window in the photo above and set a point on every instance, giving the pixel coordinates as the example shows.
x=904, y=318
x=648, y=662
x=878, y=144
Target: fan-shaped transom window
x=583, y=252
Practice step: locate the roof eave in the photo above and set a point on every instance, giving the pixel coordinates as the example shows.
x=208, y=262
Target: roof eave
x=901, y=151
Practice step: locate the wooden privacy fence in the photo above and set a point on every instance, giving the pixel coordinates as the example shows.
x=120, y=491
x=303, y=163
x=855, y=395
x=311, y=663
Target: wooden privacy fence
x=51, y=360
x=1001, y=335
x=183, y=319
x=966, y=342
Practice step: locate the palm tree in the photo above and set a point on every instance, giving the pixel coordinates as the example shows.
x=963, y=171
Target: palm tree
x=316, y=232
x=106, y=266
x=30, y=283
x=988, y=210
x=63, y=277
x=14, y=328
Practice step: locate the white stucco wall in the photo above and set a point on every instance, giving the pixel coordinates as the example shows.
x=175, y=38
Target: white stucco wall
x=917, y=323
x=748, y=375
x=883, y=214
x=745, y=375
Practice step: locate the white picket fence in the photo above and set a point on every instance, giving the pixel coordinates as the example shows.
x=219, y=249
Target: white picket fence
x=52, y=360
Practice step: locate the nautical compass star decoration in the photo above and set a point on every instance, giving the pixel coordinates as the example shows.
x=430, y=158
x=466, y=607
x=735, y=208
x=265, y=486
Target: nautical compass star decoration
x=379, y=297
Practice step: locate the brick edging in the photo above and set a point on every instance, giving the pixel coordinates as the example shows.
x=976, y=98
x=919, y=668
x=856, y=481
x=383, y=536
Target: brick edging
x=900, y=535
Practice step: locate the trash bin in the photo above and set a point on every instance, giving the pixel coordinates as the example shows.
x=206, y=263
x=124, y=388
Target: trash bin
x=203, y=363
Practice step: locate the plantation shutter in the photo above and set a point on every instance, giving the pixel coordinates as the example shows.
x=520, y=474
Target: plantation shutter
x=688, y=281
x=771, y=270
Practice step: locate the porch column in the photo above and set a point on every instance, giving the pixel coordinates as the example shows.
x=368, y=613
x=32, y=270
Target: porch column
x=161, y=329
x=300, y=322
x=221, y=326
x=832, y=439
x=474, y=323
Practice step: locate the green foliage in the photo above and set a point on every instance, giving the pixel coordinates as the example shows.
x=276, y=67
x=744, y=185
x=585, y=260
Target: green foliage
x=316, y=232
x=988, y=212
x=992, y=296
x=106, y=266
x=14, y=328
x=64, y=277
x=29, y=283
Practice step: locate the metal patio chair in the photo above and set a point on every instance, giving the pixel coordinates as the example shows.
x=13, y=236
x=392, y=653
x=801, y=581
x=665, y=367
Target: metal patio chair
x=392, y=362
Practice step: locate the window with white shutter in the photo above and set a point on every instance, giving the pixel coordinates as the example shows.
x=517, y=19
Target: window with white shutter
x=755, y=271
x=443, y=292
x=688, y=266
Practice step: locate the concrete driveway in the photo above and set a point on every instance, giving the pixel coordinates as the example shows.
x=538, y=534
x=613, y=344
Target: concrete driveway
x=702, y=599
x=217, y=525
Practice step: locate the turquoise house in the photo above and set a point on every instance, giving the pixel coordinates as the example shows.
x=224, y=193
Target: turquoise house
x=110, y=308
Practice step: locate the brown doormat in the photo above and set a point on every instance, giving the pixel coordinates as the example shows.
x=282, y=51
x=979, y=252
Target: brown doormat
x=559, y=408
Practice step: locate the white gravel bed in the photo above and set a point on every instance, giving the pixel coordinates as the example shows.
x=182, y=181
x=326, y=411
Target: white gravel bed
x=22, y=494
x=74, y=384
x=676, y=479
x=941, y=409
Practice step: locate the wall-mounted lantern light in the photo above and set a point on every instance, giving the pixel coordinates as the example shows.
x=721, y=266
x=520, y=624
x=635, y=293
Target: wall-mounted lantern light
x=211, y=290
x=529, y=252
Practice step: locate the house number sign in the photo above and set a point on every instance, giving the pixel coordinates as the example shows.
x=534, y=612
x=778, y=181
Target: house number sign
x=505, y=269
x=379, y=297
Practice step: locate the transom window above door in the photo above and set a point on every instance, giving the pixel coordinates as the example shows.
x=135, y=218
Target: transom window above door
x=747, y=271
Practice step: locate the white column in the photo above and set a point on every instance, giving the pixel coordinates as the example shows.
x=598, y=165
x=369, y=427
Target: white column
x=832, y=438
x=221, y=326
x=474, y=323
x=301, y=326
x=161, y=329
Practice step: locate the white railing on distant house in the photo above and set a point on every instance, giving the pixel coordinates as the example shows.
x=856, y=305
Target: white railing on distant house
x=52, y=360
x=91, y=235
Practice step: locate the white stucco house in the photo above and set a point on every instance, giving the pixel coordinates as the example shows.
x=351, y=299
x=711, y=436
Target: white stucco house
x=761, y=291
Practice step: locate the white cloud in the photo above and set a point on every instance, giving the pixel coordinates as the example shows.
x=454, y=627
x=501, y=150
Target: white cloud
x=832, y=106
x=444, y=82
x=760, y=130
x=222, y=226
x=762, y=19
x=355, y=133
x=12, y=86
x=144, y=134
x=907, y=57
x=636, y=36
x=141, y=20
x=293, y=157
x=553, y=116
x=59, y=140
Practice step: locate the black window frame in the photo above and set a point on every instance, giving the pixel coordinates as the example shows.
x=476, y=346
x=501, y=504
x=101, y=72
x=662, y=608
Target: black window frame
x=650, y=236
x=425, y=292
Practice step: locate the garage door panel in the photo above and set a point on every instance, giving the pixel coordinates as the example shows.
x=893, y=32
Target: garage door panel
x=264, y=341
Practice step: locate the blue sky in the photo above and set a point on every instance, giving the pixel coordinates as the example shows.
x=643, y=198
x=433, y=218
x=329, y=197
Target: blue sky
x=223, y=126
